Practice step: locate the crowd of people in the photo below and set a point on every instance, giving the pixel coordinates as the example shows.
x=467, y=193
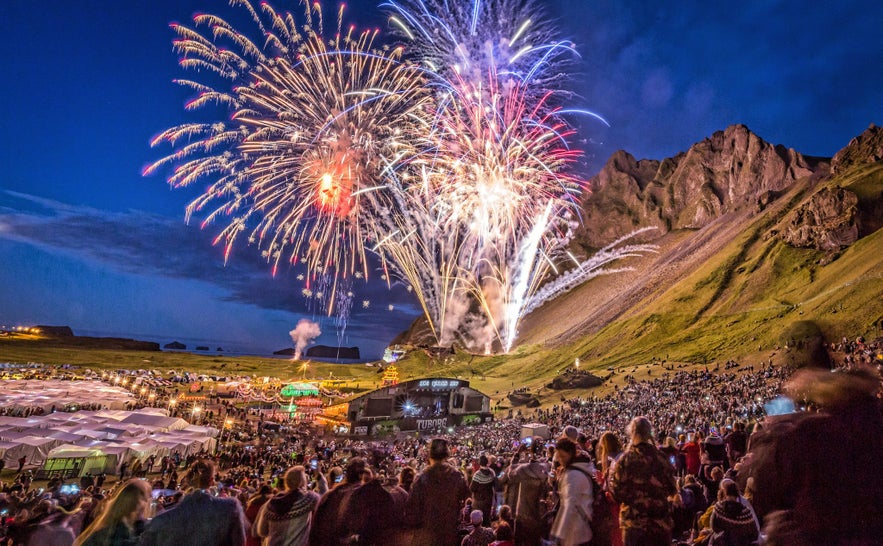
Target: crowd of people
x=689, y=457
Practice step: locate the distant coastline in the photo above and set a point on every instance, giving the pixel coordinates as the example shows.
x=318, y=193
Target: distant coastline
x=69, y=337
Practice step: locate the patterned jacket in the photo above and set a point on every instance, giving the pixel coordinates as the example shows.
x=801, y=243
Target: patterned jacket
x=642, y=481
x=285, y=519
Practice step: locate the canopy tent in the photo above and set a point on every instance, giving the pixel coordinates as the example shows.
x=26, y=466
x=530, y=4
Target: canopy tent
x=156, y=421
x=120, y=435
x=72, y=461
x=22, y=394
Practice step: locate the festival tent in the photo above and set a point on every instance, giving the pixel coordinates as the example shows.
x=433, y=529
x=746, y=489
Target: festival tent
x=67, y=437
x=42, y=446
x=200, y=430
x=13, y=451
x=156, y=422
x=92, y=435
x=33, y=449
x=122, y=452
x=120, y=435
x=72, y=460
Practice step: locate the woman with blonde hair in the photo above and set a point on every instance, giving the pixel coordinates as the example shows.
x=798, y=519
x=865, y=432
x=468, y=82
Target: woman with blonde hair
x=116, y=526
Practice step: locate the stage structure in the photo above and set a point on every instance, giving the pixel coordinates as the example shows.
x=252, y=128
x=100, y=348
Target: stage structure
x=428, y=406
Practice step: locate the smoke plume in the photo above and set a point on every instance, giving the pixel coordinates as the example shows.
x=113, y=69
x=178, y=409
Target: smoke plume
x=303, y=334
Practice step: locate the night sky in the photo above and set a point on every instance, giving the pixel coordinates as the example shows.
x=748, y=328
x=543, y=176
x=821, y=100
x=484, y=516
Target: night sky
x=86, y=241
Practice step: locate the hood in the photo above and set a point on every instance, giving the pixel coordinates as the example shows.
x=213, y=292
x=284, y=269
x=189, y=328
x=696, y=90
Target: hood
x=534, y=470
x=483, y=476
x=583, y=465
x=289, y=504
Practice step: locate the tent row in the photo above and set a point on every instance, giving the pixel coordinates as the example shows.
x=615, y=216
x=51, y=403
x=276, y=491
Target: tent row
x=19, y=395
x=103, y=438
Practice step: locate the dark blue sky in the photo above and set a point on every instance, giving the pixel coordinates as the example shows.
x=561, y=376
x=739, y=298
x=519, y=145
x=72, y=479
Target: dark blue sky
x=86, y=241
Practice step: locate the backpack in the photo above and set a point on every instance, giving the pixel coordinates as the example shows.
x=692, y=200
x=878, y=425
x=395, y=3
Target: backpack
x=603, y=523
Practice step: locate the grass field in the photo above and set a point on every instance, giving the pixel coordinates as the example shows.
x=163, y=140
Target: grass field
x=740, y=304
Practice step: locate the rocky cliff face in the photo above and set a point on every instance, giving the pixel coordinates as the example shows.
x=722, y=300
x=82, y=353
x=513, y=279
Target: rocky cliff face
x=827, y=221
x=863, y=149
x=728, y=171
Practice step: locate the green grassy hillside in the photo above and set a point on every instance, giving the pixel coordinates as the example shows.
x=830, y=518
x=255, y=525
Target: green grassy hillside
x=727, y=292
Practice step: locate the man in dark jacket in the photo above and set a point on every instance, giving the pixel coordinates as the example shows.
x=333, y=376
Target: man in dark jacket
x=527, y=484
x=329, y=527
x=816, y=474
x=199, y=518
x=436, y=499
x=369, y=513
x=642, y=482
x=482, y=488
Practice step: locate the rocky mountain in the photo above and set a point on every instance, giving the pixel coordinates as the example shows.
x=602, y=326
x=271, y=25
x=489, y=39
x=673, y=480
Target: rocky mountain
x=827, y=221
x=863, y=149
x=732, y=170
x=756, y=241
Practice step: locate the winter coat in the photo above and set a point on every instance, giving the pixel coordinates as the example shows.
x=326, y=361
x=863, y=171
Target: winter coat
x=527, y=484
x=642, y=481
x=196, y=520
x=817, y=478
x=732, y=524
x=437, y=495
x=482, y=489
x=285, y=519
x=572, y=525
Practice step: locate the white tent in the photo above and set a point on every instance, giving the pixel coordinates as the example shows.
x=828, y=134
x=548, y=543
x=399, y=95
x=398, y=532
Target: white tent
x=156, y=422
x=77, y=460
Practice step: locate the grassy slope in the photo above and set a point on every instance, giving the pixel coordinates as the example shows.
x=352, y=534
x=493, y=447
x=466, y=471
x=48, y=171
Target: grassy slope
x=737, y=304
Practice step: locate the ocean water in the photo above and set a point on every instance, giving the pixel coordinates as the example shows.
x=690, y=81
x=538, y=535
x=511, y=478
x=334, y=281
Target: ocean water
x=229, y=348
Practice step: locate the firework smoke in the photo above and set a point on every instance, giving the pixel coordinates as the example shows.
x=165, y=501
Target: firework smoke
x=304, y=334
x=451, y=164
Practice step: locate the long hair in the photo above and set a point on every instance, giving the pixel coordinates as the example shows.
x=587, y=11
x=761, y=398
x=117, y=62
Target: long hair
x=608, y=447
x=125, y=502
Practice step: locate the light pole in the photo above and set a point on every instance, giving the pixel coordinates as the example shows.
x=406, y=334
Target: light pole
x=194, y=413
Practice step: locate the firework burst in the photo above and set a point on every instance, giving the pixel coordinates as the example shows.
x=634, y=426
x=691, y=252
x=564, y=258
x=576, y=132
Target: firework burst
x=312, y=122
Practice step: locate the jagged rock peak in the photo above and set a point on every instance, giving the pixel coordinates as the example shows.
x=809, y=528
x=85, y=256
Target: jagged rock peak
x=865, y=148
x=725, y=172
x=828, y=221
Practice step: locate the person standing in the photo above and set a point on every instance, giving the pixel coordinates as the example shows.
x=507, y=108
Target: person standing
x=199, y=518
x=437, y=495
x=572, y=525
x=527, y=484
x=121, y=519
x=642, y=482
x=482, y=487
x=285, y=519
x=252, y=509
x=815, y=475
x=329, y=522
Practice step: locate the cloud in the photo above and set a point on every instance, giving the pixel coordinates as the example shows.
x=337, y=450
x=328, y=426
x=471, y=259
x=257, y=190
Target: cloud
x=147, y=244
